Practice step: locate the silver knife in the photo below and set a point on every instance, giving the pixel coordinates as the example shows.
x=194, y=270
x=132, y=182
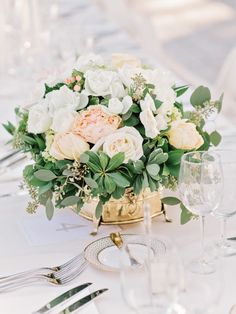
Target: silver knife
x=82, y=302
x=61, y=298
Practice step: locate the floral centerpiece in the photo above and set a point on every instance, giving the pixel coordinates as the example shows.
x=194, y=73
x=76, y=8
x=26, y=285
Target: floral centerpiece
x=105, y=126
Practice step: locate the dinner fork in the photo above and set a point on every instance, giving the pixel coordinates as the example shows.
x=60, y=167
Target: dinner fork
x=59, y=270
x=50, y=278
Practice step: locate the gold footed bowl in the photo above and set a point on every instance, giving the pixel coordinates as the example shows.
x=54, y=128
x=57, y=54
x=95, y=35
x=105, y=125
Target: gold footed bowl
x=128, y=209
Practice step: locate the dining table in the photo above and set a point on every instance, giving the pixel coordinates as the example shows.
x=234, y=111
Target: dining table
x=30, y=240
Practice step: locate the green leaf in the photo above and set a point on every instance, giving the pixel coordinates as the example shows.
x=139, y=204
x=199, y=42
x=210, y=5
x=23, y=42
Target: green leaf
x=99, y=208
x=154, y=154
x=104, y=159
x=153, y=185
x=127, y=115
x=157, y=103
x=153, y=169
x=174, y=170
x=40, y=142
x=67, y=172
x=110, y=185
x=145, y=183
x=116, y=161
x=215, y=138
x=135, y=108
x=44, y=197
x=44, y=188
x=138, y=166
x=186, y=215
x=9, y=127
x=138, y=184
x=200, y=95
x=93, y=157
x=174, y=157
x=118, y=193
x=90, y=182
x=132, y=121
x=69, y=201
x=94, y=167
x=45, y=175
x=29, y=139
x=119, y=179
x=84, y=158
x=219, y=103
x=165, y=170
x=180, y=90
x=170, y=200
x=49, y=209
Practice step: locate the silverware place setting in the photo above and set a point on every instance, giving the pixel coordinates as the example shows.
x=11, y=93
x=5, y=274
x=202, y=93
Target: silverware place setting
x=56, y=275
x=60, y=302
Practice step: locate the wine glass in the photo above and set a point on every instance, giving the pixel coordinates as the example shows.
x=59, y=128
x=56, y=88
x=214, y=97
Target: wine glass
x=200, y=187
x=227, y=206
x=154, y=285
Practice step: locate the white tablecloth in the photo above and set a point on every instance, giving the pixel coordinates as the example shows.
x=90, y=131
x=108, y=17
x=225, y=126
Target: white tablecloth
x=18, y=253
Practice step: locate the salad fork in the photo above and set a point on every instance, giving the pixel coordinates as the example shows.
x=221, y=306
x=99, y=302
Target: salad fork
x=59, y=270
x=51, y=278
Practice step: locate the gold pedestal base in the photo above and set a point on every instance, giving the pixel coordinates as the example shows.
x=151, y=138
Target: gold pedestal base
x=128, y=209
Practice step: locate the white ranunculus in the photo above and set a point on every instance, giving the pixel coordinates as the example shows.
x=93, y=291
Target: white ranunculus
x=39, y=120
x=63, y=120
x=127, y=140
x=65, y=98
x=127, y=103
x=115, y=106
x=98, y=83
x=148, y=103
x=88, y=62
x=162, y=122
x=184, y=135
x=127, y=73
x=117, y=88
x=168, y=96
x=149, y=122
x=68, y=146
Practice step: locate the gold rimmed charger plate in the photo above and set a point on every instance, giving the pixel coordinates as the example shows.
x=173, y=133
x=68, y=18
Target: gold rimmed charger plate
x=103, y=254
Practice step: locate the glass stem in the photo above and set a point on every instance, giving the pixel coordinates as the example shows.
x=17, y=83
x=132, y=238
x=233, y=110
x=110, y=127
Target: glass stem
x=223, y=231
x=202, y=237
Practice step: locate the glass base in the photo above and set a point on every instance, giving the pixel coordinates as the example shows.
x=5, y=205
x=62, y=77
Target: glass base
x=176, y=309
x=226, y=249
x=201, y=267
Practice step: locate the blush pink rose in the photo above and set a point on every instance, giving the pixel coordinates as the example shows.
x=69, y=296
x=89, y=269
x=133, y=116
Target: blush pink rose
x=94, y=123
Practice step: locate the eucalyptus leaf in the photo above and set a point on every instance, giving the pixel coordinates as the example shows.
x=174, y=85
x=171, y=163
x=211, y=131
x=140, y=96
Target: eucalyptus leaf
x=99, y=208
x=70, y=201
x=49, y=209
x=90, y=182
x=138, y=166
x=186, y=215
x=215, y=138
x=84, y=158
x=44, y=188
x=200, y=95
x=153, y=169
x=45, y=175
x=170, y=200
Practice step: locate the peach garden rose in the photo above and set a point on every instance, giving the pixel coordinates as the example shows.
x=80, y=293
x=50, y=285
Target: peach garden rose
x=94, y=123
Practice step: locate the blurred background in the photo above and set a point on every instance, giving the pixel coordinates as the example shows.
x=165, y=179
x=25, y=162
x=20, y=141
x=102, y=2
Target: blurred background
x=194, y=39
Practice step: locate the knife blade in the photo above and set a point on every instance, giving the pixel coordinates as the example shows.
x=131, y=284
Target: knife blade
x=82, y=302
x=231, y=239
x=61, y=298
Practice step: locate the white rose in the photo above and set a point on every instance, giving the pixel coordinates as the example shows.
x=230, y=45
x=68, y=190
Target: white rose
x=126, y=140
x=149, y=122
x=98, y=83
x=39, y=120
x=148, y=103
x=65, y=98
x=63, y=120
x=120, y=59
x=89, y=61
x=68, y=146
x=183, y=135
x=115, y=106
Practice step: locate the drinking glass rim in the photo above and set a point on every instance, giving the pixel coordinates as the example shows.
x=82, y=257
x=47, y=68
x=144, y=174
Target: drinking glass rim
x=201, y=152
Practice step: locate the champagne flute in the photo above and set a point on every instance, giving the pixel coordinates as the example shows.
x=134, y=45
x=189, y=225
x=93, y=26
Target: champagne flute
x=227, y=207
x=200, y=187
